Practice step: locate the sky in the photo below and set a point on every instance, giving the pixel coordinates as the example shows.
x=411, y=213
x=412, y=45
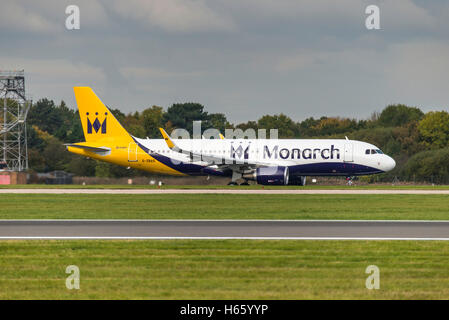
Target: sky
x=244, y=58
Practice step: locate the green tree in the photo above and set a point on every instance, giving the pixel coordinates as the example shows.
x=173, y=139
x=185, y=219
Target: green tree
x=286, y=127
x=36, y=160
x=120, y=116
x=218, y=121
x=75, y=133
x=33, y=138
x=42, y=114
x=50, y=154
x=434, y=129
x=327, y=126
x=102, y=169
x=58, y=120
x=247, y=125
x=152, y=121
x=136, y=130
x=55, y=155
x=81, y=166
x=182, y=115
x=308, y=127
x=133, y=123
x=430, y=165
x=398, y=115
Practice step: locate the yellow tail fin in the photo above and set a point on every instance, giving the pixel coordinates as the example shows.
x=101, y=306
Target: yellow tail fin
x=97, y=121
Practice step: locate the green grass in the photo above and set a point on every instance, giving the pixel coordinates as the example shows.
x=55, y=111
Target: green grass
x=228, y=269
x=223, y=206
x=251, y=187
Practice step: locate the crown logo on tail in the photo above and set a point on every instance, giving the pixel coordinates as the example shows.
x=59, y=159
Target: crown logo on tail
x=96, y=125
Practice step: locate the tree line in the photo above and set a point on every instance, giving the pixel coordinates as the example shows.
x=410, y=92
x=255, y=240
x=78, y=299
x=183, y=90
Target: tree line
x=418, y=141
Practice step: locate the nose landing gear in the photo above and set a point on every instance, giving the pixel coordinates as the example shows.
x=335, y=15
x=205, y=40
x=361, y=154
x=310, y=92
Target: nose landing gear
x=350, y=180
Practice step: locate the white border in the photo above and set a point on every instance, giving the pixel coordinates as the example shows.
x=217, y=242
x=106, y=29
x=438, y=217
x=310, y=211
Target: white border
x=217, y=238
x=214, y=220
x=348, y=191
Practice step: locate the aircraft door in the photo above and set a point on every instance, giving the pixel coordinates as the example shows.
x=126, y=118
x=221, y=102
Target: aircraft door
x=132, y=152
x=349, y=152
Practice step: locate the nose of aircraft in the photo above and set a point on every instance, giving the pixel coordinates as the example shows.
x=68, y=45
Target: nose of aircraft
x=389, y=164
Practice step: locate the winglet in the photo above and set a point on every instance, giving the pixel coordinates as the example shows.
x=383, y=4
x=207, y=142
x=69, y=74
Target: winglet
x=167, y=139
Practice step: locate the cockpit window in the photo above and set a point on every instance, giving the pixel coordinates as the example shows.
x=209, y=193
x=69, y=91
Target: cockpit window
x=373, y=151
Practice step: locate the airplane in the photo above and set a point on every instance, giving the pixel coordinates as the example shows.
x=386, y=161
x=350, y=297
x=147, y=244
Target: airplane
x=265, y=161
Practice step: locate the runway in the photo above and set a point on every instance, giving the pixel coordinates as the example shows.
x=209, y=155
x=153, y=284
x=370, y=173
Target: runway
x=222, y=191
x=225, y=229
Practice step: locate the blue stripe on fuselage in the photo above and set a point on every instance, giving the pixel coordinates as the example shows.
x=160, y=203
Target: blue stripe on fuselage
x=332, y=168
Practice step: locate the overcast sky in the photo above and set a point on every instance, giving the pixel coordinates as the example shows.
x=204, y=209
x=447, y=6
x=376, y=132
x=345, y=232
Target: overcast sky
x=245, y=58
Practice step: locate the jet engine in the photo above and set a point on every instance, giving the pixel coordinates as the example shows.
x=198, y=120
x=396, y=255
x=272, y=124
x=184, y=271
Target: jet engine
x=297, y=181
x=274, y=176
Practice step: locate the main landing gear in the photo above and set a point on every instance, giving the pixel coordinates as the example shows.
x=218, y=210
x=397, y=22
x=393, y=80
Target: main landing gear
x=235, y=177
x=234, y=183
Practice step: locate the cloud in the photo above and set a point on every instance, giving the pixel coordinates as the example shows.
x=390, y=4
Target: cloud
x=417, y=72
x=142, y=73
x=296, y=9
x=242, y=57
x=15, y=16
x=47, y=16
x=331, y=16
x=54, y=78
x=92, y=12
x=56, y=69
x=405, y=15
x=299, y=61
x=179, y=16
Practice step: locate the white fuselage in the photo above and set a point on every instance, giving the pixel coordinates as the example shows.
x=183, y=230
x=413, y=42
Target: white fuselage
x=303, y=157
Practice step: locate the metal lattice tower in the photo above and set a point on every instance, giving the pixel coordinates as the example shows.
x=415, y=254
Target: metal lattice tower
x=13, y=136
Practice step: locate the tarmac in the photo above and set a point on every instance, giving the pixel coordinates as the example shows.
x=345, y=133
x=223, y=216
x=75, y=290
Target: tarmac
x=225, y=229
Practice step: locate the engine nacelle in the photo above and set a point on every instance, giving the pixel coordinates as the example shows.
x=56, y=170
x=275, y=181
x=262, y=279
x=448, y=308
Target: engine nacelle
x=297, y=181
x=275, y=176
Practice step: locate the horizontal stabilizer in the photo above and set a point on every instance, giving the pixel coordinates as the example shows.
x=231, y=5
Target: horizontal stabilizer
x=104, y=151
